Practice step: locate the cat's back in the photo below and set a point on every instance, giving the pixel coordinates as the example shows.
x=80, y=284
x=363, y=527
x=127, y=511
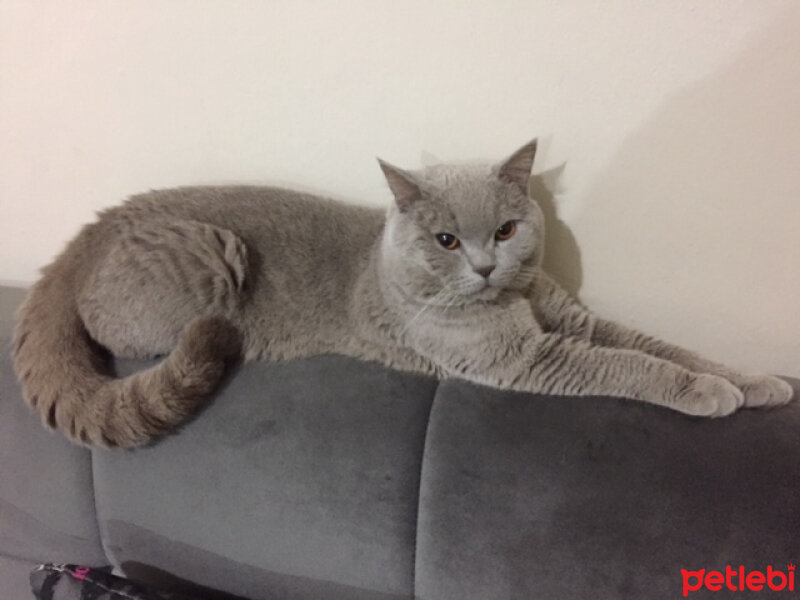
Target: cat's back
x=302, y=254
x=253, y=212
x=291, y=236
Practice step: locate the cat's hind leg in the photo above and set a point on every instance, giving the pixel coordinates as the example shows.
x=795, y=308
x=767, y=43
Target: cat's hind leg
x=156, y=278
x=139, y=289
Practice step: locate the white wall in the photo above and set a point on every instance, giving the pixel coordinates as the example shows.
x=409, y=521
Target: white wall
x=670, y=131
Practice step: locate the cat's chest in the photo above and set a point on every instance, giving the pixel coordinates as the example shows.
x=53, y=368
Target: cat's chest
x=475, y=329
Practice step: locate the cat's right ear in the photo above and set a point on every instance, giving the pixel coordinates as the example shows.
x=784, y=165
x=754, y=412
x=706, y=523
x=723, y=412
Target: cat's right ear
x=405, y=189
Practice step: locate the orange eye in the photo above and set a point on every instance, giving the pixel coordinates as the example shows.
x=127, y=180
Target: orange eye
x=505, y=231
x=448, y=240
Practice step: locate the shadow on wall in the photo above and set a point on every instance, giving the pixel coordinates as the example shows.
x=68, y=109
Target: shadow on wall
x=678, y=206
x=699, y=216
x=562, y=257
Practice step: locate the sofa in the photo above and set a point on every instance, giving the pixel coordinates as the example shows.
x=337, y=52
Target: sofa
x=333, y=479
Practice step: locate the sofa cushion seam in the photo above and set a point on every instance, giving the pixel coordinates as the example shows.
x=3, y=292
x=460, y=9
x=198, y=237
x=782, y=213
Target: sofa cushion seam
x=415, y=548
x=105, y=547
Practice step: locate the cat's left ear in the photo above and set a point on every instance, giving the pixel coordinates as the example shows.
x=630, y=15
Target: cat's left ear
x=517, y=168
x=405, y=189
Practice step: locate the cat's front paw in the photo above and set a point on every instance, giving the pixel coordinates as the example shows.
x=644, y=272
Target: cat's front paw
x=764, y=391
x=709, y=396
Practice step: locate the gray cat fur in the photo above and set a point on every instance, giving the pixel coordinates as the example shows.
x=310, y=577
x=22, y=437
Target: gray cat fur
x=207, y=275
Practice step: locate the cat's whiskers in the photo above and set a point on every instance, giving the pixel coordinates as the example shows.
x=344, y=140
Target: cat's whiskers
x=446, y=296
x=528, y=272
x=453, y=300
x=425, y=307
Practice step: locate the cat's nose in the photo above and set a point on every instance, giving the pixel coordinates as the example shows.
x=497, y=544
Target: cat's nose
x=485, y=271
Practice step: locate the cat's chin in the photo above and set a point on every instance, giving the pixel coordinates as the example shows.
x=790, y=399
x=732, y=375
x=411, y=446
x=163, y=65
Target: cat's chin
x=485, y=294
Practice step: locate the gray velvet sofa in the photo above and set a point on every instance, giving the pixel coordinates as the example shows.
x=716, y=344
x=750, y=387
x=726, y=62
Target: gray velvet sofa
x=332, y=479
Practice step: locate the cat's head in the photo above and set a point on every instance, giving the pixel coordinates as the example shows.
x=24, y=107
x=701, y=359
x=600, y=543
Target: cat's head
x=464, y=233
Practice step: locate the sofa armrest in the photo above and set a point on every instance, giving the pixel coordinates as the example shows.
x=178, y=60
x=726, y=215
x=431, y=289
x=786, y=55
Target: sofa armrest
x=46, y=492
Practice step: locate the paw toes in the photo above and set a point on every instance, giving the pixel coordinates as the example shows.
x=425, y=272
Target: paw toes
x=763, y=391
x=710, y=396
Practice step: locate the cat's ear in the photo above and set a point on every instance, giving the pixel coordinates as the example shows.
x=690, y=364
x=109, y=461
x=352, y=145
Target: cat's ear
x=405, y=189
x=517, y=168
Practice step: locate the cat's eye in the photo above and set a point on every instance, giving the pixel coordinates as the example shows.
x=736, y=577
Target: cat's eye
x=505, y=231
x=448, y=240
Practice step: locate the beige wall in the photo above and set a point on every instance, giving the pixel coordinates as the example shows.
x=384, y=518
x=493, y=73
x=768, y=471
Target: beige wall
x=670, y=131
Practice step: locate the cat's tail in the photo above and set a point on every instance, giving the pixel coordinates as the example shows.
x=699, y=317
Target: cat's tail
x=67, y=379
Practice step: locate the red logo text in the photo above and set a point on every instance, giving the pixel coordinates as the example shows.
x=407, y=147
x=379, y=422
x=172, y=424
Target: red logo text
x=738, y=580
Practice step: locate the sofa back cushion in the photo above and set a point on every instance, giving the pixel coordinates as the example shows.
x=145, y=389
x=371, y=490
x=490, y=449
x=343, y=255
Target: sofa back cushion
x=299, y=478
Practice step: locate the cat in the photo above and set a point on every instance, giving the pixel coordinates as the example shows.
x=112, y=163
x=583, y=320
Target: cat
x=446, y=282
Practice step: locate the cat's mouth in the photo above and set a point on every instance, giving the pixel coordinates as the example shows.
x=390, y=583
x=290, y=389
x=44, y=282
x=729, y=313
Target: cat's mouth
x=485, y=291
